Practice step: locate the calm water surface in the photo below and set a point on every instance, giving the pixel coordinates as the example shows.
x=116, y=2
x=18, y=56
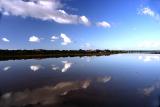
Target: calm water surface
x=123, y=80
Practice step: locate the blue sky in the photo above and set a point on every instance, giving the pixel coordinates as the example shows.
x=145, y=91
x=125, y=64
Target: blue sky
x=75, y=24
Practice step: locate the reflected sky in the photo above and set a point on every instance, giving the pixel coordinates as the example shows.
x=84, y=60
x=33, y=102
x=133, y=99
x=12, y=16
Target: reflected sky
x=148, y=58
x=150, y=89
x=124, y=80
x=35, y=67
x=67, y=65
x=7, y=68
x=46, y=95
x=55, y=68
x=104, y=79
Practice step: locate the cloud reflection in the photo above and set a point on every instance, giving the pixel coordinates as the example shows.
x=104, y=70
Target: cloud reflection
x=148, y=58
x=104, y=79
x=149, y=90
x=6, y=68
x=35, y=67
x=67, y=65
x=55, y=68
x=88, y=59
x=46, y=95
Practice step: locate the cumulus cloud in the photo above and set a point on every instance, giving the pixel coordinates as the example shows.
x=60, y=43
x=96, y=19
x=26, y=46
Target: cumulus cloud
x=66, y=39
x=5, y=40
x=103, y=24
x=84, y=20
x=34, y=39
x=50, y=10
x=149, y=12
x=53, y=38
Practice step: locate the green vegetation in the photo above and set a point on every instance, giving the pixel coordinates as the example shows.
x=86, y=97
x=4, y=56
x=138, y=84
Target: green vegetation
x=40, y=53
x=28, y=54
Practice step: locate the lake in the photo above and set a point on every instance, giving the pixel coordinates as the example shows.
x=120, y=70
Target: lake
x=121, y=80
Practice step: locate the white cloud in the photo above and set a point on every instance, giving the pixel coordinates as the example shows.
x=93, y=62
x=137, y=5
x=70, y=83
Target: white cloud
x=84, y=20
x=66, y=39
x=34, y=39
x=53, y=38
x=67, y=65
x=39, y=9
x=148, y=44
x=148, y=11
x=35, y=67
x=103, y=24
x=5, y=40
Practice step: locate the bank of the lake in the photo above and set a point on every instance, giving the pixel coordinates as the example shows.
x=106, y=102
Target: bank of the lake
x=40, y=53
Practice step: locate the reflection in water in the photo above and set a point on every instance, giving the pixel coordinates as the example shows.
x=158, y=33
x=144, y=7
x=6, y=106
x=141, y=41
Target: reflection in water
x=46, y=95
x=147, y=58
x=149, y=90
x=6, y=68
x=35, y=67
x=55, y=68
x=67, y=65
x=104, y=79
x=88, y=59
x=133, y=80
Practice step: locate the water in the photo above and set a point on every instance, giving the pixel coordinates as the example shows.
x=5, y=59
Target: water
x=123, y=80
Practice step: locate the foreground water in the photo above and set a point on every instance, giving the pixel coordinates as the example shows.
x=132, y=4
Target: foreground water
x=123, y=80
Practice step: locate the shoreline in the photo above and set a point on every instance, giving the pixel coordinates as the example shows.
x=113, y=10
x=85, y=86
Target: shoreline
x=31, y=54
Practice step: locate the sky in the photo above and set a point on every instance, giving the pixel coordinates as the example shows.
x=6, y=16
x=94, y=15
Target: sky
x=80, y=24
